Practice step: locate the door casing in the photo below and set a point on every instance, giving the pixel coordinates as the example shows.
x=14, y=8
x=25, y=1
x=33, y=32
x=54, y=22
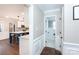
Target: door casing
x=56, y=30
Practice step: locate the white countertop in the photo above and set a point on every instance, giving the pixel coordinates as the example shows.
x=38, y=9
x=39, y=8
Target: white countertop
x=24, y=37
x=20, y=31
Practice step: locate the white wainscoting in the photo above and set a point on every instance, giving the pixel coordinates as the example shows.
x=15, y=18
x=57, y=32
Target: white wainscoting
x=38, y=45
x=4, y=35
x=70, y=48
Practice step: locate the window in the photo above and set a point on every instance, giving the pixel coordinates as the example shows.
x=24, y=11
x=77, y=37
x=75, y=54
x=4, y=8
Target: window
x=50, y=23
x=1, y=27
x=54, y=25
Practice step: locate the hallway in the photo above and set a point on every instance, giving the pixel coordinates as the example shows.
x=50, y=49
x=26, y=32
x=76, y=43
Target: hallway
x=46, y=28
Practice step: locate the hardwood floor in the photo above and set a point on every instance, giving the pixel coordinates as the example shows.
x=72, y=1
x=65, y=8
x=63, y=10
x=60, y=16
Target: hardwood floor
x=13, y=49
x=50, y=51
x=8, y=49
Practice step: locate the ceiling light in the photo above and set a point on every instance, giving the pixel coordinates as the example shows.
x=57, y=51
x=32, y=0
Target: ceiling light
x=7, y=16
x=23, y=13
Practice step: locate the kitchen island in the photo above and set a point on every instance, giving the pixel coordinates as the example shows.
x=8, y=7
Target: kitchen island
x=24, y=45
x=16, y=35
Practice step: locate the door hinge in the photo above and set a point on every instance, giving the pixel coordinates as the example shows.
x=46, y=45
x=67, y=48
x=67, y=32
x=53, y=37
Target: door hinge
x=45, y=41
x=60, y=46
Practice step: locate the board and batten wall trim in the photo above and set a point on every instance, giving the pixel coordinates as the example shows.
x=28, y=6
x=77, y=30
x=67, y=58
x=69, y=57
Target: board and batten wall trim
x=71, y=46
x=38, y=45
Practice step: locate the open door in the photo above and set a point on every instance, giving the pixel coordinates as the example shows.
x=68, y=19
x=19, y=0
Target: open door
x=50, y=31
x=52, y=38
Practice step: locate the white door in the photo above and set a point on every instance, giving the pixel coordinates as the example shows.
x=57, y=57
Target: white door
x=49, y=31
x=53, y=26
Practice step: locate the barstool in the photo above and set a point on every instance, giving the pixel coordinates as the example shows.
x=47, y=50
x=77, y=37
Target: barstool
x=11, y=37
x=17, y=37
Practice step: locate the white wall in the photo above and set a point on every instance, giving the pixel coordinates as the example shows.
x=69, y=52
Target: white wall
x=5, y=33
x=71, y=27
x=38, y=17
x=26, y=19
x=36, y=29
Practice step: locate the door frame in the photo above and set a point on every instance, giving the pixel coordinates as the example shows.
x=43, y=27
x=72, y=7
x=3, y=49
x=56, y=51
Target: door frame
x=62, y=29
x=62, y=18
x=44, y=27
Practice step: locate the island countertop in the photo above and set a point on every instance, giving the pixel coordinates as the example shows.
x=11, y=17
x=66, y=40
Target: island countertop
x=19, y=32
x=24, y=37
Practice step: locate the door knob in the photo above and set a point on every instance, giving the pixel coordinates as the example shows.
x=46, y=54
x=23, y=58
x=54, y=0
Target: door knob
x=61, y=37
x=54, y=34
x=60, y=33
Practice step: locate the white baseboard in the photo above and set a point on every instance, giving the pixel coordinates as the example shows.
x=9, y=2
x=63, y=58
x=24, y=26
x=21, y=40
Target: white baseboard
x=4, y=38
x=71, y=46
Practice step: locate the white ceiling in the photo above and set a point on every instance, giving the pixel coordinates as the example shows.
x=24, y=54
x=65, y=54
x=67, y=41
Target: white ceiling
x=11, y=10
x=45, y=7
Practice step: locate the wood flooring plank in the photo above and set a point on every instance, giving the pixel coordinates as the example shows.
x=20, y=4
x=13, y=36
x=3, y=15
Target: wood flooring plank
x=50, y=51
x=8, y=49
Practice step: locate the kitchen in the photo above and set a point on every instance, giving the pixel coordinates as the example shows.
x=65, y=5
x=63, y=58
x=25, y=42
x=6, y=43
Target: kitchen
x=14, y=24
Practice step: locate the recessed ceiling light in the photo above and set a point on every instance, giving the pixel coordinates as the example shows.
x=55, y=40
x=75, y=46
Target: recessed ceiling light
x=7, y=16
x=22, y=13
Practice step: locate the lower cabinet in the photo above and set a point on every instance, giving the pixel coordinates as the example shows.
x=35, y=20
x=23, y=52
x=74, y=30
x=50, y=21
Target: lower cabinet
x=24, y=45
x=37, y=46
